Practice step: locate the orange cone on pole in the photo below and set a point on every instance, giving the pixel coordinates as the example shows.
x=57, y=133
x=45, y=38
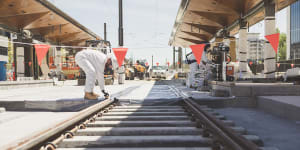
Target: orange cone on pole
x=198, y=51
x=120, y=54
x=41, y=51
x=274, y=41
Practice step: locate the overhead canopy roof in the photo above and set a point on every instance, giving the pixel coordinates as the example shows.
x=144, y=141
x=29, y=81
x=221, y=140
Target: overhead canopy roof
x=199, y=20
x=43, y=18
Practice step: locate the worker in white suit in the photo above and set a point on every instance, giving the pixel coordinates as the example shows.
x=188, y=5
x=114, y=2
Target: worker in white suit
x=93, y=63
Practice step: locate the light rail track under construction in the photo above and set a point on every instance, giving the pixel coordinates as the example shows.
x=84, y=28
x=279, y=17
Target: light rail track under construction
x=112, y=125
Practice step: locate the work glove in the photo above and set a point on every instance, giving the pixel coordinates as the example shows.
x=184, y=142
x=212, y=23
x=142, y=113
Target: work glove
x=106, y=95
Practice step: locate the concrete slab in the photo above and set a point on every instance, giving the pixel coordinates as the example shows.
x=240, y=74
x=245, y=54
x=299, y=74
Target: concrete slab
x=143, y=148
x=130, y=131
x=272, y=130
x=255, y=139
x=147, y=107
x=146, y=110
x=239, y=130
x=66, y=97
x=144, y=113
x=7, y=85
x=135, y=141
x=177, y=123
x=242, y=89
x=292, y=100
x=283, y=106
x=15, y=126
x=229, y=123
x=140, y=118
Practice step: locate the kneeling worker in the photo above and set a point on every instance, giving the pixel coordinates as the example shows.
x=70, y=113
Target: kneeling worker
x=93, y=63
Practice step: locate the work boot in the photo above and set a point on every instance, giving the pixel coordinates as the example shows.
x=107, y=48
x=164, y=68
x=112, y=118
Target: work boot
x=90, y=96
x=95, y=94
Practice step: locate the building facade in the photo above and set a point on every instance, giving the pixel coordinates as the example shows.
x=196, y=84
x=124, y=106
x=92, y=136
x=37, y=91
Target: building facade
x=294, y=31
x=255, y=47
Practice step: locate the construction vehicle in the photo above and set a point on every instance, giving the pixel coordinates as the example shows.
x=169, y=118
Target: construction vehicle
x=129, y=72
x=140, y=70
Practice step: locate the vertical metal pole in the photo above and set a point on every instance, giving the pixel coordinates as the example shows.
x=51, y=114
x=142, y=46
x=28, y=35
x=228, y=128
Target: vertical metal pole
x=257, y=45
x=180, y=57
x=152, y=61
x=174, y=63
x=121, y=40
x=105, y=40
x=105, y=33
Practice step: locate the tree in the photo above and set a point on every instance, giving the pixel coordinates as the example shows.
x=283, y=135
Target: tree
x=282, y=45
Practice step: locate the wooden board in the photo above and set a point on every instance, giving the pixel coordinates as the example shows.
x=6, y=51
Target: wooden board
x=203, y=19
x=41, y=20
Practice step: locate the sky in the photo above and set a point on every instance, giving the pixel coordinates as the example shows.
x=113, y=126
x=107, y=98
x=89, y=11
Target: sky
x=147, y=24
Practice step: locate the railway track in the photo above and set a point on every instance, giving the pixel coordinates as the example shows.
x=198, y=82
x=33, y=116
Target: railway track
x=136, y=127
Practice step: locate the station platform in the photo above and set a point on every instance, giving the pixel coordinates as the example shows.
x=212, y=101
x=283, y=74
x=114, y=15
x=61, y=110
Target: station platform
x=66, y=96
x=247, y=89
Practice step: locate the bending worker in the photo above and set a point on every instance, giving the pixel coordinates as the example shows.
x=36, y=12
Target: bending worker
x=93, y=63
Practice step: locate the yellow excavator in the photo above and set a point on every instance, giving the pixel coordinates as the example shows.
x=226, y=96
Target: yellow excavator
x=138, y=70
x=129, y=72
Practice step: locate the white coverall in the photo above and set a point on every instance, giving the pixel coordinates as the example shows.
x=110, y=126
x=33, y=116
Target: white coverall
x=92, y=62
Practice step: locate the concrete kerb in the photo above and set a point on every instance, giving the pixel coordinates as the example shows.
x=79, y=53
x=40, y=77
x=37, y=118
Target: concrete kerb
x=256, y=96
x=278, y=108
x=6, y=85
x=227, y=89
x=54, y=106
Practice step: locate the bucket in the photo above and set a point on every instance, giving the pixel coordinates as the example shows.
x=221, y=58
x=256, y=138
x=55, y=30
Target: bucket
x=2, y=71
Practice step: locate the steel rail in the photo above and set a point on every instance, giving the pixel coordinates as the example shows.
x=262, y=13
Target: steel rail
x=224, y=137
x=37, y=139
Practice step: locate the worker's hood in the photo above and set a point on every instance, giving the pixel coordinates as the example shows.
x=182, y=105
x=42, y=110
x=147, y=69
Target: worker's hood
x=113, y=60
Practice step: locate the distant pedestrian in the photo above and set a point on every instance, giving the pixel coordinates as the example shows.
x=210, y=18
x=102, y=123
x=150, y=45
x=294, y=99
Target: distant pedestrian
x=93, y=63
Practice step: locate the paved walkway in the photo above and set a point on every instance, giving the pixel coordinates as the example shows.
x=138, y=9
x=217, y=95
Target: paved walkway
x=65, y=91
